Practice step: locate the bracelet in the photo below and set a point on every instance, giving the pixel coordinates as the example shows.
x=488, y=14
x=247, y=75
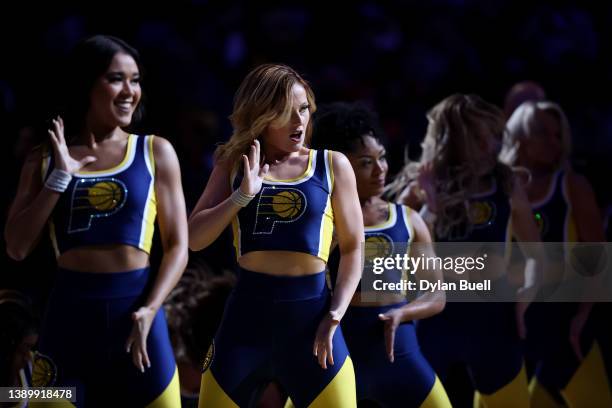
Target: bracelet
x=241, y=199
x=58, y=180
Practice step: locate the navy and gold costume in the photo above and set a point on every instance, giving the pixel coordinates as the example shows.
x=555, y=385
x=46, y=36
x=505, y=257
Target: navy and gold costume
x=88, y=319
x=290, y=215
x=269, y=324
x=482, y=336
x=114, y=206
x=409, y=381
x=556, y=366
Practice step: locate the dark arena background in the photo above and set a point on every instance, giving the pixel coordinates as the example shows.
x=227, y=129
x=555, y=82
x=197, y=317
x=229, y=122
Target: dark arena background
x=398, y=57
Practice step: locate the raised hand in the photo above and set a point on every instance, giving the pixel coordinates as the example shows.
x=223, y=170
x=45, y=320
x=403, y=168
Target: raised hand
x=63, y=160
x=253, y=171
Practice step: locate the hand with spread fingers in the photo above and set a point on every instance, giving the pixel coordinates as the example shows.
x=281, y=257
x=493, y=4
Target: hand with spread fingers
x=63, y=159
x=253, y=170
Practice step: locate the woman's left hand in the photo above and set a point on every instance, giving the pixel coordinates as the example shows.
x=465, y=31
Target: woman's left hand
x=137, y=340
x=323, y=345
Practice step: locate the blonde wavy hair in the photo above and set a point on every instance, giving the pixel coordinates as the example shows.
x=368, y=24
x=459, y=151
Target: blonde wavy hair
x=523, y=124
x=457, y=126
x=263, y=97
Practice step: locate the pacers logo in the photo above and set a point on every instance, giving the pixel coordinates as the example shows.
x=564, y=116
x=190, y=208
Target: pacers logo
x=377, y=245
x=482, y=213
x=94, y=198
x=44, y=371
x=104, y=196
x=278, y=205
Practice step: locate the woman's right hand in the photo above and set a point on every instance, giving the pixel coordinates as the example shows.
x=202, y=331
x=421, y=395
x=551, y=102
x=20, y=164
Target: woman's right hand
x=253, y=171
x=63, y=160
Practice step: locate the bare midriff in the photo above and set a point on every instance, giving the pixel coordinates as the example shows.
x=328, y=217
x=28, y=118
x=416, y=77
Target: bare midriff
x=281, y=263
x=104, y=259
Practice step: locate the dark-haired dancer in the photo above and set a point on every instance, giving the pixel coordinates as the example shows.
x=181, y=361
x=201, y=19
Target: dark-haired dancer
x=389, y=367
x=100, y=188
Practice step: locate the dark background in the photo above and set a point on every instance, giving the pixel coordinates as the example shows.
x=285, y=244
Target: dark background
x=399, y=57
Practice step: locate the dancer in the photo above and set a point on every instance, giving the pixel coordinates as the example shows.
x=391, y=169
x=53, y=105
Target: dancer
x=471, y=197
x=389, y=367
x=100, y=189
x=283, y=200
x=560, y=336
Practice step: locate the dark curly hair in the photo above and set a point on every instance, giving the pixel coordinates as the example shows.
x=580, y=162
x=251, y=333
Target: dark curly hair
x=341, y=126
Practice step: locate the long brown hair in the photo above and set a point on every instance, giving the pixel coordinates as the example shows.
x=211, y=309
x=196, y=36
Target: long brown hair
x=263, y=97
x=456, y=126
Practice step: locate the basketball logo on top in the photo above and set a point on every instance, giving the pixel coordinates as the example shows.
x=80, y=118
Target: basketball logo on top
x=278, y=205
x=95, y=198
x=377, y=245
x=482, y=213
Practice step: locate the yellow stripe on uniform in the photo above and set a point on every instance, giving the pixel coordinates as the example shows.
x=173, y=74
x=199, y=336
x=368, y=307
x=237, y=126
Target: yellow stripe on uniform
x=341, y=391
x=150, y=211
x=331, y=169
x=512, y=395
x=540, y=397
x=437, y=397
x=151, y=155
x=589, y=387
x=148, y=221
x=327, y=231
x=212, y=395
x=171, y=396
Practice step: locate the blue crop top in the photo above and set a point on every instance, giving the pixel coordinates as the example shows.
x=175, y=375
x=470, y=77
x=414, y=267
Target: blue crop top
x=290, y=215
x=113, y=206
x=553, y=214
x=490, y=212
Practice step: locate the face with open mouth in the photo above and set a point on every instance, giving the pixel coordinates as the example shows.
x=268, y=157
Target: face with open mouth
x=116, y=94
x=289, y=137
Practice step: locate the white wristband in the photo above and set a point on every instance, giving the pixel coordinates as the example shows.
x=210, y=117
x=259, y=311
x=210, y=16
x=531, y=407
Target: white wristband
x=58, y=180
x=241, y=199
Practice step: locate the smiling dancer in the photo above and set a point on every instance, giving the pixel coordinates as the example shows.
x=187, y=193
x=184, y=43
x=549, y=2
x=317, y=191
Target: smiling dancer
x=100, y=189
